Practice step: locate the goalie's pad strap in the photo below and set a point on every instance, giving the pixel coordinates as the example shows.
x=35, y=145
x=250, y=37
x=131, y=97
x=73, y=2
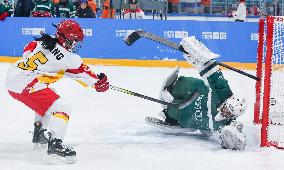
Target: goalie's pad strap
x=207, y=67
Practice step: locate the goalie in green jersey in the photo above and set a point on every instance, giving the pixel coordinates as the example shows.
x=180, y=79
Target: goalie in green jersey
x=215, y=109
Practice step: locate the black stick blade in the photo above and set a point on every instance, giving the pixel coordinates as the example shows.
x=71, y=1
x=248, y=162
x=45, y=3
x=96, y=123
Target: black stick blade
x=131, y=38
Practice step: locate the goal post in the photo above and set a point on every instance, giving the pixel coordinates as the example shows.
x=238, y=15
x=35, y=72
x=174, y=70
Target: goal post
x=259, y=72
x=269, y=105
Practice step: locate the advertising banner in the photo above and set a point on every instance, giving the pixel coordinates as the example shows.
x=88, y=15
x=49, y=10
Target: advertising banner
x=234, y=41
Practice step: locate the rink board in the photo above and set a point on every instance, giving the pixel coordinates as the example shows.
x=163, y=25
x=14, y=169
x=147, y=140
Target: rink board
x=141, y=63
x=235, y=42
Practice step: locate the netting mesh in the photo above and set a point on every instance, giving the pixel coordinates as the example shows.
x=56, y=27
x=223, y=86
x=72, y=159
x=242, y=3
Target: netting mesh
x=262, y=7
x=275, y=130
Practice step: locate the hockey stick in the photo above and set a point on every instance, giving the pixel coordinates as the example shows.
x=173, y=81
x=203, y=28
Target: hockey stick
x=141, y=96
x=177, y=105
x=134, y=36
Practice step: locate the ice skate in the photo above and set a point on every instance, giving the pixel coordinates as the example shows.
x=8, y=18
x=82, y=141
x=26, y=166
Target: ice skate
x=60, y=153
x=39, y=137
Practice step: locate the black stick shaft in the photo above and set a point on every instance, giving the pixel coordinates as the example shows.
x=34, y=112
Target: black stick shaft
x=239, y=71
x=180, y=48
x=140, y=33
x=142, y=96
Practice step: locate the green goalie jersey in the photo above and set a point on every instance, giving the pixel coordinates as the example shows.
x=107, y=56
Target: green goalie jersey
x=213, y=91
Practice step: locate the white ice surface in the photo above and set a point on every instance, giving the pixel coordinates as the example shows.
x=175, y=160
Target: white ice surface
x=108, y=131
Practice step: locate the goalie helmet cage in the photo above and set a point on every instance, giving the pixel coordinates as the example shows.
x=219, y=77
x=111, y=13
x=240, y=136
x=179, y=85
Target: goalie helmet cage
x=269, y=105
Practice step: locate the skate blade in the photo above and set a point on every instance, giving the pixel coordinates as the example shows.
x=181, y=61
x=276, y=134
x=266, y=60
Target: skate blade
x=58, y=160
x=39, y=147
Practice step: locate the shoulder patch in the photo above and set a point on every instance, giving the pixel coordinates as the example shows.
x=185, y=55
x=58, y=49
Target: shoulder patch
x=30, y=46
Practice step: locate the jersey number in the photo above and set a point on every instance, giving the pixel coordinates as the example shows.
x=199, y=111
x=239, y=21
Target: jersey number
x=30, y=64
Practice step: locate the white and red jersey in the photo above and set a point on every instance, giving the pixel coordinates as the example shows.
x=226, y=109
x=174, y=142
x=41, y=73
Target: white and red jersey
x=40, y=67
x=137, y=14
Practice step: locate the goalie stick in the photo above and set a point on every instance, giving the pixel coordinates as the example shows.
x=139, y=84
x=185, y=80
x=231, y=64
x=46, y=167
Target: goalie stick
x=177, y=105
x=158, y=123
x=134, y=36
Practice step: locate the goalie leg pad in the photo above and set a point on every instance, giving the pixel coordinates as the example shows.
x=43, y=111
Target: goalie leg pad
x=169, y=81
x=171, y=78
x=166, y=96
x=198, y=53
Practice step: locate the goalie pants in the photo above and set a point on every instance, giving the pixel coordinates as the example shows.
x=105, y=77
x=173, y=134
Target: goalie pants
x=51, y=110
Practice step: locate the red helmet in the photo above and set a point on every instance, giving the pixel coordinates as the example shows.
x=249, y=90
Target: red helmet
x=68, y=33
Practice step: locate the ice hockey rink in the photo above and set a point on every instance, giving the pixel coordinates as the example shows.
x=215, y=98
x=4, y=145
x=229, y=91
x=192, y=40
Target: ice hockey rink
x=108, y=130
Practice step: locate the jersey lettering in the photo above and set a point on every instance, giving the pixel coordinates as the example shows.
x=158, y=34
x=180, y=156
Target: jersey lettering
x=56, y=52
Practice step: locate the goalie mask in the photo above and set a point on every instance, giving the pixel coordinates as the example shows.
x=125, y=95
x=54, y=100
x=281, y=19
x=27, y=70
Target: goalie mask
x=70, y=35
x=232, y=108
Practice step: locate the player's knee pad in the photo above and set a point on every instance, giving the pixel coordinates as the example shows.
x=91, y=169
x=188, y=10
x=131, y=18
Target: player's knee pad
x=61, y=109
x=58, y=115
x=208, y=69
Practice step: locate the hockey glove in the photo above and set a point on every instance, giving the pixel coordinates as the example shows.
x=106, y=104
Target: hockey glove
x=48, y=42
x=102, y=84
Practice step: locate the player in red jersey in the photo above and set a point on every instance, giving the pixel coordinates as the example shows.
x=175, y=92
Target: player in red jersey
x=45, y=61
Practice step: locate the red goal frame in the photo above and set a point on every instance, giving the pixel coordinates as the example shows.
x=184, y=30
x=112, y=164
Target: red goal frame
x=264, y=69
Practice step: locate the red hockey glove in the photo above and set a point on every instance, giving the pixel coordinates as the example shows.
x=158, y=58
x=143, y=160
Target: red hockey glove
x=102, y=84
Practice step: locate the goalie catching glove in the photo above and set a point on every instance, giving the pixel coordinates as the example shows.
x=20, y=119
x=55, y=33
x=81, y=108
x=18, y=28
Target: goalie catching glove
x=102, y=84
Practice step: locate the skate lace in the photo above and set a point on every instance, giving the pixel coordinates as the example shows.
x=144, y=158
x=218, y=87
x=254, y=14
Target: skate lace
x=66, y=147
